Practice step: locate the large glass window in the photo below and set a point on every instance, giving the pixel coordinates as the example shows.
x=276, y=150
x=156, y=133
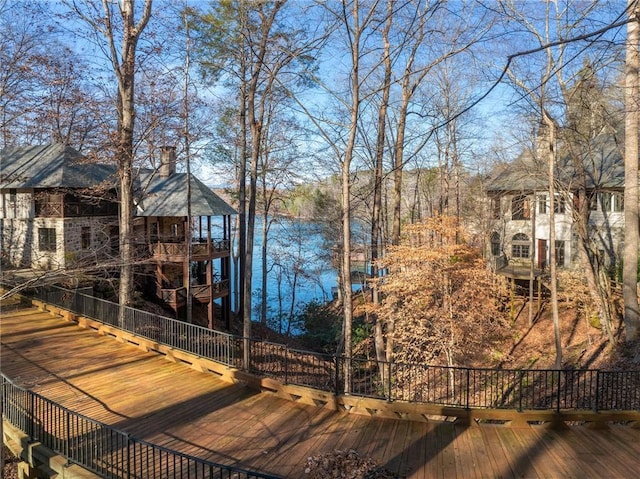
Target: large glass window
x=520, y=246
x=542, y=204
x=605, y=202
x=612, y=202
x=559, y=205
x=618, y=202
x=47, y=239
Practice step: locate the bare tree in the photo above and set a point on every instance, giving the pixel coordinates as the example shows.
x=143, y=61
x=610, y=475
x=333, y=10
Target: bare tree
x=378, y=178
x=118, y=23
x=632, y=123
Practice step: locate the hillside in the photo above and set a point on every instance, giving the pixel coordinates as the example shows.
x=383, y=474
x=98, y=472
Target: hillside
x=584, y=345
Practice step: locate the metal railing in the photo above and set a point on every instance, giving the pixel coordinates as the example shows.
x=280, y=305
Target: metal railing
x=100, y=448
x=519, y=389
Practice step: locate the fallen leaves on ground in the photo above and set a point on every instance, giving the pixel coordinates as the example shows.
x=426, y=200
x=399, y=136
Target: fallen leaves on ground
x=345, y=465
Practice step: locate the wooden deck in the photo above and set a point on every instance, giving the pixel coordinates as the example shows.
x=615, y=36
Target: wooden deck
x=175, y=406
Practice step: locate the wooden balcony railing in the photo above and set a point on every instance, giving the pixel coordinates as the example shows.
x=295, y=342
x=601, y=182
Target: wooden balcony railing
x=201, y=291
x=174, y=297
x=177, y=297
x=200, y=251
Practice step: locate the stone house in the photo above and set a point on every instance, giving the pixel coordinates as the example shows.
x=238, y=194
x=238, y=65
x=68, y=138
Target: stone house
x=59, y=211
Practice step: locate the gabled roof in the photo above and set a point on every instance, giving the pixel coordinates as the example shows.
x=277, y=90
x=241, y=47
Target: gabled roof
x=523, y=174
x=50, y=166
x=167, y=196
x=603, y=165
x=60, y=166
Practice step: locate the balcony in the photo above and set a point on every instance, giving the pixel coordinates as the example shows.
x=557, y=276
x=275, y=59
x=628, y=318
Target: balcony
x=177, y=297
x=200, y=292
x=175, y=251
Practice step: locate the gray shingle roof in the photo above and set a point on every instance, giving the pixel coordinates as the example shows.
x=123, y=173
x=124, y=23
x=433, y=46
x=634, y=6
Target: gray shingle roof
x=168, y=197
x=60, y=166
x=50, y=166
x=603, y=165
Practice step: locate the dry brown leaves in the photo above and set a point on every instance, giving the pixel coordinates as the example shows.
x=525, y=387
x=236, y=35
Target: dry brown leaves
x=345, y=465
x=439, y=296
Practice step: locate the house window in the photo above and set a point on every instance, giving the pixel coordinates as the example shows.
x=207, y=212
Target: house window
x=153, y=231
x=47, y=239
x=495, y=244
x=520, y=246
x=618, y=202
x=560, y=253
x=174, y=230
x=559, y=205
x=605, y=202
x=13, y=195
x=495, y=208
x=542, y=204
x=520, y=208
x=85, y=237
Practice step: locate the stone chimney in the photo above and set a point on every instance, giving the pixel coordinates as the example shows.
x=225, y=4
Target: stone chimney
x=167, y=161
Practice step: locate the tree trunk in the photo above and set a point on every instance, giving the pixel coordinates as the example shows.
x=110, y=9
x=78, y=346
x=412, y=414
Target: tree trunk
x=377, y=186
x=347, y=302
x=532, y=263
x=242, y=192
x=124, y=70
x=550, y=126
x=397, y=169
x=631, y=197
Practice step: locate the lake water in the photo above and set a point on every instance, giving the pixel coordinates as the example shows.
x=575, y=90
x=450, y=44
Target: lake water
x=298, y=261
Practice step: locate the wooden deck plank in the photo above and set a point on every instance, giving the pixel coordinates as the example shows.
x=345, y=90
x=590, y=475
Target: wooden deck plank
x=564, y=458
x=535, y=448
x=289, y=458
x=499, y=455
x=446, y=437
x=579, y=460
x=603, y=456
x=193, y=412
x=520, y=462
x=373, y=441
x=412, y=463
x=484, y=462
x=466, y=458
